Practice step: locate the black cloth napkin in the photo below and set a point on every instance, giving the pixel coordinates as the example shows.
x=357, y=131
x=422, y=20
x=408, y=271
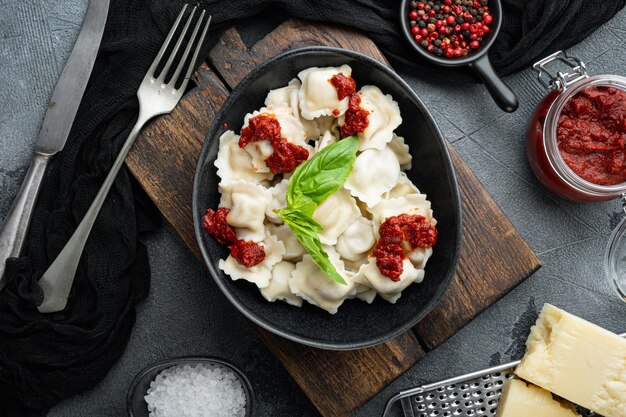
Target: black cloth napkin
x=45, y=358
x=531, y=29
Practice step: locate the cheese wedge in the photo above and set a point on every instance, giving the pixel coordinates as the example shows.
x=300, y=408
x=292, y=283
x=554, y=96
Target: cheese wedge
x=522, y=400
x=576, y=360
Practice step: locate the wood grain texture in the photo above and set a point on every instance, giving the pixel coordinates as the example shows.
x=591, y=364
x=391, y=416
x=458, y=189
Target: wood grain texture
x=493, y=260
x=340, y=382
x=165, y=154
x=233, y=60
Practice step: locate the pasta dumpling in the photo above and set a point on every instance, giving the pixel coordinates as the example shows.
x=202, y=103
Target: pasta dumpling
x=290, y=128
x=279, y=201
x=419, y=257
x=374, y=173
x=364, y=293
x=317, y=96
x=285, y=96
x=369, y=275
x=288, y=97
x=233, y=163
x=335, y=215
x=278, y=288
x=247, y=202
x=401, y=150
x=293, y=248
x=409, y=204
x=403, y=187
x=261, y=273
x=356, y=242
x=326, y=139
x=311, y=283
x=383, y=118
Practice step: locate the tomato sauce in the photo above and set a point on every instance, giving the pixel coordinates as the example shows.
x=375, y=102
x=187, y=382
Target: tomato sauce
x=345, y=86
x=286, y=156
x=356, y=118
x=261, y=127
x=247, y=253
x=591, y=135
x=394, y=232
x=215, y=223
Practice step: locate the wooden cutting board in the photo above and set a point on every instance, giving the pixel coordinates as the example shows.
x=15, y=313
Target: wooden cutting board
x=494, y=258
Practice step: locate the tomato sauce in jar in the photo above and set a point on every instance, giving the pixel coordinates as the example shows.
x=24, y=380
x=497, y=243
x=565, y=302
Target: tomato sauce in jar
x=577, y=135
x=591, y=135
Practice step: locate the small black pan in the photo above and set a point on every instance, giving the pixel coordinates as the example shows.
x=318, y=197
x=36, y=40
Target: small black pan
x=477, y=59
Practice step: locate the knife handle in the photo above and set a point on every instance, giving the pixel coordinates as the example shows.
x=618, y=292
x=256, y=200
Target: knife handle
x=16, y=223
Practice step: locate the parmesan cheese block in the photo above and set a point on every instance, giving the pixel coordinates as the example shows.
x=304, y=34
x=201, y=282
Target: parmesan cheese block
x=521, y=400
x=578, y=361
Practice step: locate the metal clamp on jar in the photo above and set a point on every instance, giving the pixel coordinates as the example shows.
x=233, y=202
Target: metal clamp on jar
x=543, y=148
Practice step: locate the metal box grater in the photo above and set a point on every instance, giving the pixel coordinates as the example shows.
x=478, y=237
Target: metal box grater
x=474, y=394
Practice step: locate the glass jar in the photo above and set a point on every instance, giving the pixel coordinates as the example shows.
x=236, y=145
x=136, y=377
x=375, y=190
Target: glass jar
x=542, y=149
x=615, y=256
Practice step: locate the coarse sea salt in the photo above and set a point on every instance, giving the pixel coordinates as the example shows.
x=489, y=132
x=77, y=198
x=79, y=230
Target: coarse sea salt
x=198, y=390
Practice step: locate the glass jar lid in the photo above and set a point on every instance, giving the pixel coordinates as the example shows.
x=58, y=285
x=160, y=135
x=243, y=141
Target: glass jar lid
x=615, y=256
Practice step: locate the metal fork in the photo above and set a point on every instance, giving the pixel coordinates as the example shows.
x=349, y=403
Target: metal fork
x=155, y=98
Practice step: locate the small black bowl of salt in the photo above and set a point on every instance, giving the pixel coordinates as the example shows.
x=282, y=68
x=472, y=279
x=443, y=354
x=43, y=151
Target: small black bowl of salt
x=190, y=387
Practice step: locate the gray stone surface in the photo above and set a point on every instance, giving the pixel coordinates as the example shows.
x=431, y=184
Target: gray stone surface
x=185, y=312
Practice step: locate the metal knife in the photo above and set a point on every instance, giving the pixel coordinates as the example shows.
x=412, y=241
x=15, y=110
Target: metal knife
x=55, y=128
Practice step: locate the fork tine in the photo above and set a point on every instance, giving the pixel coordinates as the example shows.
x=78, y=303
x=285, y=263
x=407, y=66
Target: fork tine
x=192, y=63
x=181, y=37
x=170, y=35
x=187, y=50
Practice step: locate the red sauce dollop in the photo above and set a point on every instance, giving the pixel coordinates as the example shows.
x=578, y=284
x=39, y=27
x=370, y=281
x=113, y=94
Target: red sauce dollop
x=356, y=119
x=286, y=156
x=261, y=127
x=389, y=250
x=591, y=135
x=215, y=223
x=345, y=86
x=247, y=253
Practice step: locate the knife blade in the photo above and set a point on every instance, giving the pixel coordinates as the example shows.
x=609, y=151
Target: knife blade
x=55, y=128
x=71, y=85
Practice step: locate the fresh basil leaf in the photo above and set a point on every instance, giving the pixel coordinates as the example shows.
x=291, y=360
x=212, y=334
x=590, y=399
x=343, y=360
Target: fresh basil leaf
x=300, y=215
x=322, y=175
x=305, y=228
x=296, y=219
x=313, y=246
x=312, y=183
x=301, y=204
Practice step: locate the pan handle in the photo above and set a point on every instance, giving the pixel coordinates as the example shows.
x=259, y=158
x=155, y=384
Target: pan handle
x=500, y=92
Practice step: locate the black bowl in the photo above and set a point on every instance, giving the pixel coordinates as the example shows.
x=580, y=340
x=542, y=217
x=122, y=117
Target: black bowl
x=136, y=404
x=357, y=324
x=477, y=59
